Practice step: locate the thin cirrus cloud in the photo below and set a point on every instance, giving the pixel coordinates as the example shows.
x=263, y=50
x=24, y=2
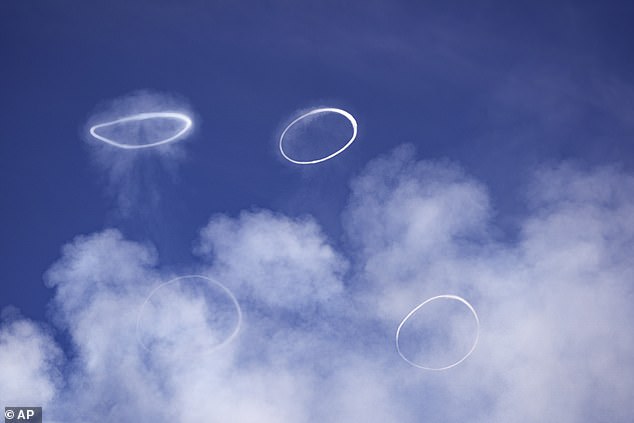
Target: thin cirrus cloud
x=319, y=321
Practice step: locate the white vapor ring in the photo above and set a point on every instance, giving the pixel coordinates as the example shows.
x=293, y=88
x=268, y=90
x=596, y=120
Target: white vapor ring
x=139, y=117
x=343, y=113
x=230, y=338
x=411, y=313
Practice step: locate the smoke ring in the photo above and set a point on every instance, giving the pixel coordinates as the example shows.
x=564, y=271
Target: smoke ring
x=229, y=338
x=139, y=117
x=418, y=307
x=343, y=113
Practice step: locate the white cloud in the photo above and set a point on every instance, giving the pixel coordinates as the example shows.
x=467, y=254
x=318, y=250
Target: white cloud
x=317, y=342
x=415, y=226
x=279, y=261
x=553, y=305
x=28, y=364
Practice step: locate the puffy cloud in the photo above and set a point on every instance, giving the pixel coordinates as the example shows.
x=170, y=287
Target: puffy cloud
x=29, y=361
x=276, y=260
x=415, y=228
x=559, y=306
x=553, y=304
x=100, y=282
x=317, y=342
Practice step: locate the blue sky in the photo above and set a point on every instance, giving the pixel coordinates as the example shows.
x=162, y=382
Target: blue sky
x=512, y=124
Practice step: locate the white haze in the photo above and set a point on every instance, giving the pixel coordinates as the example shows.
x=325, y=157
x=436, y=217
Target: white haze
x=317, y=340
